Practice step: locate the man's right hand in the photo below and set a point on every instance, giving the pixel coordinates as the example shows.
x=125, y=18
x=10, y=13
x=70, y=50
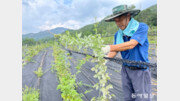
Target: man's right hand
x=111, y=54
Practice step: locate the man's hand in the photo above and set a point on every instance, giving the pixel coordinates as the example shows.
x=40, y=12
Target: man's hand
x=111, y=54
x=106, y=49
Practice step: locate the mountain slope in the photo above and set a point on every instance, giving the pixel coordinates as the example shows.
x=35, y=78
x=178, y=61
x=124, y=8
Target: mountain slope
x=148, y=16
x=45, y=34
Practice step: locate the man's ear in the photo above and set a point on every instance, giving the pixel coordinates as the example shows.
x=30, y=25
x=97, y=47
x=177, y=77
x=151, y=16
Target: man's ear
x=129, y=16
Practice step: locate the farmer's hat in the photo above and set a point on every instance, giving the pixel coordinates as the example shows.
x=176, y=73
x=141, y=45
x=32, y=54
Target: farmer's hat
x=120, y=10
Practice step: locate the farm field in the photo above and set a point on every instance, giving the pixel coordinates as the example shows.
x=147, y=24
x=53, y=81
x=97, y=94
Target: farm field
x=56, y=74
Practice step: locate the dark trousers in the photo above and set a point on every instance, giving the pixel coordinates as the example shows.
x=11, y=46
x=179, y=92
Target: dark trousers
x=136, y=84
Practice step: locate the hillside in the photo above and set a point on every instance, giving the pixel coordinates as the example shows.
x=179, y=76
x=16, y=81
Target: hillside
x=45, y=34
x=148, y=16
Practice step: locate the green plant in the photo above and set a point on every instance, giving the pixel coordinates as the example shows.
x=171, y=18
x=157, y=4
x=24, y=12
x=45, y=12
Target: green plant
x=95, y=26
x=39, y=72
x=94, y=42
x=67, y=82
x=30, y=94
x=30, y=51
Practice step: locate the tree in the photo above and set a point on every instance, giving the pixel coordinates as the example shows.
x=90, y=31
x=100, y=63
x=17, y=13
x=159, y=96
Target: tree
x=28, y=41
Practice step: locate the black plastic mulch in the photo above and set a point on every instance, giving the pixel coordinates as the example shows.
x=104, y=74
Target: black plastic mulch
x=86, y=77
x=48, y=82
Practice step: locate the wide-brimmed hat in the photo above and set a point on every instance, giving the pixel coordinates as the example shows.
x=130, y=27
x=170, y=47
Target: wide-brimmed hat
x=120, y=10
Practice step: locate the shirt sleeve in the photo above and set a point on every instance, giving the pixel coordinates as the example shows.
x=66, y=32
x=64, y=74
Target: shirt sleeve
x=141, y=34
x=115, y=38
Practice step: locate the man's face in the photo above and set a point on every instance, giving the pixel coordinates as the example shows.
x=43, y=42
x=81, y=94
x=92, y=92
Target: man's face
x=122, y=21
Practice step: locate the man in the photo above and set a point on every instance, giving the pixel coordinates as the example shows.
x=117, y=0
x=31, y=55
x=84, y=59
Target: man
x=132, y=41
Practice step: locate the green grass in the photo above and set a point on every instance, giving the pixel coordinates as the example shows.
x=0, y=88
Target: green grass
x=152, y=39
